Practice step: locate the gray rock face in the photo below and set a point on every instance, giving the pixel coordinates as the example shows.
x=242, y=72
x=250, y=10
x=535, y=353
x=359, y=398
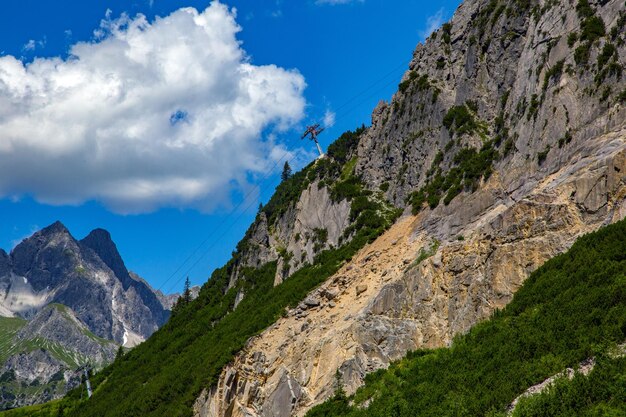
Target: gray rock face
x=284, y=399
x=313, y=224
x=45, y=354
x=100, y=242
x=58, y=324
x=34, y=377
x=560, y=132
x=87, y=276
x=81, y=304
x=38, y=365
x=499, y=63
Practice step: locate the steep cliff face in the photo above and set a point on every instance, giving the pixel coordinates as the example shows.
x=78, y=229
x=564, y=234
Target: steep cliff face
x=507, y=138
x=314, y=223
x=505, y=74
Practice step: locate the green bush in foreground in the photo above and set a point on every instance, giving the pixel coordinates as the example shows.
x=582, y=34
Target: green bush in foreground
x=570, y=309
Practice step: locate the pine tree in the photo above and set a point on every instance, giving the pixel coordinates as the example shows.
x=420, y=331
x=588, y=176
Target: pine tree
x=119, y=354
x=187, y=292
x=286, y=172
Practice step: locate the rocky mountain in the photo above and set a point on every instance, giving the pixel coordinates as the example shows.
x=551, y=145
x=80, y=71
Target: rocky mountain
x=166, y=300
x=66, y=303
x=40, y=356
x=507, y=137
x=87, y=276
x=505, y=142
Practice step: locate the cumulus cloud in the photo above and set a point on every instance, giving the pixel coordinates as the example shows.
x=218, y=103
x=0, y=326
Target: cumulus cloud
x=149, y=114
x=433, y=23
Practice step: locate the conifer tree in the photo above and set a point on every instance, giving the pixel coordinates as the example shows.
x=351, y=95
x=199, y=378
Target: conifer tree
x=187, y=292
x=286, y=172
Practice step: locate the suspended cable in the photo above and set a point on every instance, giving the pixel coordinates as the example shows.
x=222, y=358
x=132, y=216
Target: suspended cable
x=267, y=175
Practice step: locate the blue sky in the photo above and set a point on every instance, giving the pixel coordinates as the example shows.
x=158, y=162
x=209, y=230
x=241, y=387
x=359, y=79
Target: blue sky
x=143, y=168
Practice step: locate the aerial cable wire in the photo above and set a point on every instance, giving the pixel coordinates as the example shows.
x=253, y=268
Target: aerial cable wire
x=339, y=116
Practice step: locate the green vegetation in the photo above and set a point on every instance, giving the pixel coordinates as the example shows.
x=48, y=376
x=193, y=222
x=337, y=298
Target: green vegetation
x=572, y=38
x=348, y=169
x=421, y=83
x=602, y=393
x=607, y=53
x=592, y=28
x=9, y=326
x=425, y=253
x=571, y=309
x=613, y=69
x=553, y=73
x=541, y=156
x=459, y=120
x=446, y=31
x=470, y=167
x=345, y=145
x=606, y=93
x=566, y=139
x=581, y=54
x=584, y=9
x=290, y=189
x=10, y=345
x=533, y=108
x=286, y=174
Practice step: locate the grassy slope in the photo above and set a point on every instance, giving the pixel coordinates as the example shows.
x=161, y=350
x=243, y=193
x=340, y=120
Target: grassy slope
x=9, y=346
x=9, y=326
x=570, y=309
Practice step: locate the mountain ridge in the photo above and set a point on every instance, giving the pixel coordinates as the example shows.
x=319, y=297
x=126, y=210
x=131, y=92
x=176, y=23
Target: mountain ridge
x=75, y=296
x=504, y=146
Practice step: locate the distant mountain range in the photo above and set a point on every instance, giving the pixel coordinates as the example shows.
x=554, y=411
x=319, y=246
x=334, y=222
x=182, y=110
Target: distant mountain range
x=65, y=303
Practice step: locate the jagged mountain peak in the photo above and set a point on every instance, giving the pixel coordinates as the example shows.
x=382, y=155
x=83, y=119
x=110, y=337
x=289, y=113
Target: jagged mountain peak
x=56, y=227
x=100, y=241
x=74, y=302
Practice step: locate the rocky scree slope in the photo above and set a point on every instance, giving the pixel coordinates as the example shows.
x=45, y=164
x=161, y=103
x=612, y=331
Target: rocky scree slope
x=507, y=138
x=569, y=314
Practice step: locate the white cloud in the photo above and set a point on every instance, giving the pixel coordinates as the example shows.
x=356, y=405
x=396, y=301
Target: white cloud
x=329, y=118
x=150, y=114
x=335, y=2
x=29, y=46
x=433, y=23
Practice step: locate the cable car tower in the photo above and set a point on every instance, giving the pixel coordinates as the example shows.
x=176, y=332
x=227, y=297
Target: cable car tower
x=313, y=131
